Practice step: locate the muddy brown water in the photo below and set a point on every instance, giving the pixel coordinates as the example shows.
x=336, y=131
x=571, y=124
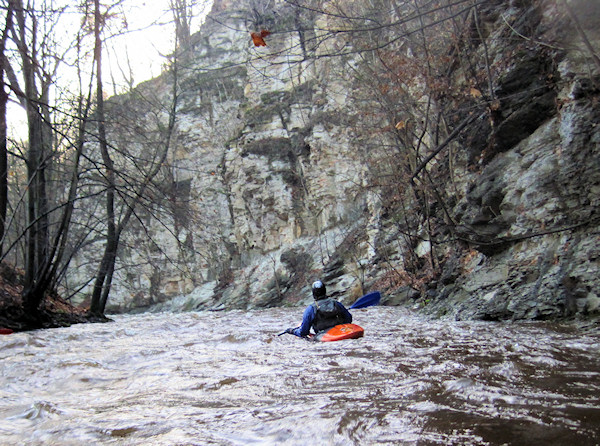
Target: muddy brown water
x=227, y=379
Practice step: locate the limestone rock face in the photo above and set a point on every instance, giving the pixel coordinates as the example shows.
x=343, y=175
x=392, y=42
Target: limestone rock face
x=274, y=181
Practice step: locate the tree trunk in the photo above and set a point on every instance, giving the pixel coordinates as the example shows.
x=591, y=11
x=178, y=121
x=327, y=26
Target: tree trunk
x=112, y=239
x=37, y=206
x=3, y=134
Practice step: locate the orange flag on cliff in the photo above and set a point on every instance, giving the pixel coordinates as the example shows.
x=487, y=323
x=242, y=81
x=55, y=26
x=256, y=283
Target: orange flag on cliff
x=259, y=38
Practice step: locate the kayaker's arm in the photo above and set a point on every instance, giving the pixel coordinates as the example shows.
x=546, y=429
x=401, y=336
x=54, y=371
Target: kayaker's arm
x=307, y=319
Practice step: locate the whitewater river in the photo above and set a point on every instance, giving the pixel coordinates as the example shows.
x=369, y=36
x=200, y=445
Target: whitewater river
x=226, y=378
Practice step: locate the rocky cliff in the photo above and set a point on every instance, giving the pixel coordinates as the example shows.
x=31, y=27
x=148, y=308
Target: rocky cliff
x=448, y=158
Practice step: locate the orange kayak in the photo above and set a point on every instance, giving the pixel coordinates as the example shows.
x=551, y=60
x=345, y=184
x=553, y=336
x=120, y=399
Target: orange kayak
x=340, y=332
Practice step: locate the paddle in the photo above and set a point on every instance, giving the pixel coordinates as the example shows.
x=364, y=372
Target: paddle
x=284, y=332
x=368, y=300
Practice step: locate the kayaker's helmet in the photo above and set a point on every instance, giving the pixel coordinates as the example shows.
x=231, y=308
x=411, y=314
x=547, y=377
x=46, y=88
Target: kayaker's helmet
x=318, y=290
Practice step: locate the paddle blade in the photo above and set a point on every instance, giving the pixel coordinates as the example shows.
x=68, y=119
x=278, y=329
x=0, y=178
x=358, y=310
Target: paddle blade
x=368, y=300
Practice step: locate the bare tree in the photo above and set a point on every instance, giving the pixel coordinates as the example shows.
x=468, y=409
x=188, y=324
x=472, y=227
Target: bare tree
x=3, y=126
x=37, y=72
x=80, y=161
x=398, y=58
x=133, y=191
x=182, y=16
x=31, y=76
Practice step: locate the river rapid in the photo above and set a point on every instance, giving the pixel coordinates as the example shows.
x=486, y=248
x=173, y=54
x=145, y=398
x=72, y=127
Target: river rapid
x=226, y=378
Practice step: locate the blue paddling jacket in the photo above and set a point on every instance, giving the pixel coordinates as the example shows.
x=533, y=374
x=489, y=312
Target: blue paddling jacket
x=322, y=315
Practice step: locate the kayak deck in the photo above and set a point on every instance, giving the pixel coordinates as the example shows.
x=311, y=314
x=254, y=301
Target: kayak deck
x=340, y=332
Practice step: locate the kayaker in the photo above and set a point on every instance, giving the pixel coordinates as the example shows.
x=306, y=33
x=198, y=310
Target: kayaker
x=322, y=314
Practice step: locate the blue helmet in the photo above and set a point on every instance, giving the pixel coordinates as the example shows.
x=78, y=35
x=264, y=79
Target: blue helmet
x=318, y=290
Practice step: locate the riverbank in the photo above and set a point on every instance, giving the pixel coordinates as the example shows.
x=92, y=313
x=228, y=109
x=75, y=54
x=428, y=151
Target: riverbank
x=54, y=312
